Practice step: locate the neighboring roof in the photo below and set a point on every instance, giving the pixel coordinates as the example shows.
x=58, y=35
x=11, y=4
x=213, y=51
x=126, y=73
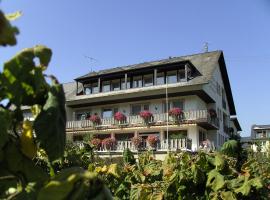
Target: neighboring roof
x=257, y=127
x=236, y=123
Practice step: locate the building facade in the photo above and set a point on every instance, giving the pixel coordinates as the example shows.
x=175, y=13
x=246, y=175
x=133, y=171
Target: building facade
x=260, y=138
x=197, y=86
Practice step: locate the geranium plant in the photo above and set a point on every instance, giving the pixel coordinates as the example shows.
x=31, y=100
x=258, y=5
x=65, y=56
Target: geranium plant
x=212, y=112
x=175, y=112
x=108, y=143
x=152, y=140
x=95, y=119
x=136, y=141
x=120, y=117
x=96, y=142
x=147, y=116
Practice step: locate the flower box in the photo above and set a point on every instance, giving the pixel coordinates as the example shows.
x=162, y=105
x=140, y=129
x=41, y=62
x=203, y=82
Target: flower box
x=120, y=118
x=152, y=140
x=95, y=119
x=136, y=141
x=147, y=116
x=176, y=114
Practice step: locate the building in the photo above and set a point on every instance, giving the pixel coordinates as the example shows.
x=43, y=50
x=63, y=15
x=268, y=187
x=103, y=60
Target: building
x=260, y=138
x=197, y=84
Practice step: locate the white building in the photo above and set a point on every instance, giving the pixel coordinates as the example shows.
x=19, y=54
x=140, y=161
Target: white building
x=195, y=84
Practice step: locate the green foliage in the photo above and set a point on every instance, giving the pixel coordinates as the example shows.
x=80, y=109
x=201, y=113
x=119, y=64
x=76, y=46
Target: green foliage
x=230, y=148
x=128, y=157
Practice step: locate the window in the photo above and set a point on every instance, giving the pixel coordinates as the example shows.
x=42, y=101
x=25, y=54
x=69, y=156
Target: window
x=146, y=107
x=107, y=113
x=106, y=87
x=115, y=85
x=137, y=81
x=202, y=136
x=160, y=78
x=123, y=85
x=147, y=80
x=95, y=88
x=182, y=75
x=82, y=115
x=177, y=104
x=87, y=90
x=135, y=109
x=172, y=77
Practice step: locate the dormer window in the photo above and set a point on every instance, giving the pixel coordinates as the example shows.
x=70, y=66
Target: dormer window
x=137, y=81
x=95, y=88
x=115, y=85
x=106, y=87
x=160, y=78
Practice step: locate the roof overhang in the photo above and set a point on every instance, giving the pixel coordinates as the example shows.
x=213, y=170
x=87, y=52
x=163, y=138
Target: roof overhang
x=236, y=123
x=227, y=85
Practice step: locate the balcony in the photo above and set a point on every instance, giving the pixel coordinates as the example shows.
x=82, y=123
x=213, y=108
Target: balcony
x=174, y=145
x=200, y=117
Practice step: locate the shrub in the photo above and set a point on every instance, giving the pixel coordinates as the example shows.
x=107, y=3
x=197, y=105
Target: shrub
x=175, y=112
x=128, y=157
x=119, y=117
x=96, y=142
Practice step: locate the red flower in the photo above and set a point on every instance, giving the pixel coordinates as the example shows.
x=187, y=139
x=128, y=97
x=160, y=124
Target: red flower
x=119, y=116
x=212, y=113
x=136, y=141
x=146, y=114
x=96, y=142
x=95, y=119
x=152, y=140
x=175, y=112
x=108, y=143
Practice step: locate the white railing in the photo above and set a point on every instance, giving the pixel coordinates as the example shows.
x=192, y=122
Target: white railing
x=191, y=116
x=174, y=144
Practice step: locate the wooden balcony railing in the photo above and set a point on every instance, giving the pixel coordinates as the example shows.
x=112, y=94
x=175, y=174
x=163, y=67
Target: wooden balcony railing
x=193, y=116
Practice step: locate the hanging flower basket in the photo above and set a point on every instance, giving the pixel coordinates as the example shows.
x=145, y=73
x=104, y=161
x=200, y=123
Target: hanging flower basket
x=176, y=114
x=147, y=116
x=96, y=143
x=212, y=112
x=108, y=143
x=95, y=119
x=152, y=140
x=136, y=141
x=120, y=118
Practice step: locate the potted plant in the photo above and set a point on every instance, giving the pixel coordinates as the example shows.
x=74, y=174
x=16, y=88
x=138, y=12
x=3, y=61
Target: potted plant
x=152, y=141
x=95, y=119
x=120, y=118
x=147, y=116
x=212, y=112
x=136, y=141
x=96, y=143
x=176, y=114
x=108, y=143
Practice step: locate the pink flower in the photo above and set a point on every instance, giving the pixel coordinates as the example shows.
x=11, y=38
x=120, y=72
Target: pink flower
x=96, y=142
x=146, y=114
x=95, y=119
x=108, y=143
x=175, y=112
x=119, y=116
x=152, y=140
x=136, y=141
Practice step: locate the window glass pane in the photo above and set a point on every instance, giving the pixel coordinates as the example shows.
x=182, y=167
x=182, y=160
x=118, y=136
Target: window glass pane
x=148, y=80
x=107, y=113
x=171, y=76
x=146, y=107
x=178, y=104
x=115, y=85
x=95, y=88
x=137, y=81
x=123, y=86
x=87, y=90
x=182, y=75
x=106, y=86
x=160, y=78
x=135, y=109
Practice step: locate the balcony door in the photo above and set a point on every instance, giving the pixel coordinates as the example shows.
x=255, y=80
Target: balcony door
x=137, y=108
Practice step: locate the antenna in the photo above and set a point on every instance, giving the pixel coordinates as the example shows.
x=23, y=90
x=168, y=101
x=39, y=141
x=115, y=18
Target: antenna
x=92, y=60
x=205, y=47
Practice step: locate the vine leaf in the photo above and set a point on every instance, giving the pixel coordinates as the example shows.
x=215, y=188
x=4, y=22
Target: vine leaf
x=215, y=180
x=50, y=124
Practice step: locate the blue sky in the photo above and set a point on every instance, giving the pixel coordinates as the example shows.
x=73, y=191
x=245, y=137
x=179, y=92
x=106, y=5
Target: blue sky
x=122, y=32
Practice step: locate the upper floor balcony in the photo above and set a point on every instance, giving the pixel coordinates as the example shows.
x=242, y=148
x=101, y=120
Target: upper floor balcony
x=200, y=117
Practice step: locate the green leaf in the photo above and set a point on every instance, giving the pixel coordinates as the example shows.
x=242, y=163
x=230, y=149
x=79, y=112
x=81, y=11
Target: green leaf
x=228, y=195
x=248, y=184
x=50, y=124
x=7, y=32
x=219, y=161
x=23, y=81
x=230, y=148
x=215, y=180
x=5, y=122
x=13, y=16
